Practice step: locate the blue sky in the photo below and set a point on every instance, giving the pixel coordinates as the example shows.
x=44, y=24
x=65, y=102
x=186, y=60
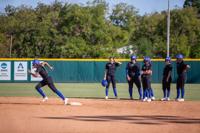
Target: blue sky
x=143, y=6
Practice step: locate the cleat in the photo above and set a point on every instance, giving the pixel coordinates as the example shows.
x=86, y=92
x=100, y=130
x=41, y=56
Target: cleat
x=66, y=101
x=149, y=100
x=181, y=100
x=106, y=97
x=145, y=99
x=177, y=99
x=131, y=98
x=168, y=99
x=117, y=98
x=164, y=99
x=153, y=98
x=44, y=99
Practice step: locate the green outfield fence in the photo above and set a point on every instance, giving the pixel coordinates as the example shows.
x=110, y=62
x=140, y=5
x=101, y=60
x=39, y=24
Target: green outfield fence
x=86, y=70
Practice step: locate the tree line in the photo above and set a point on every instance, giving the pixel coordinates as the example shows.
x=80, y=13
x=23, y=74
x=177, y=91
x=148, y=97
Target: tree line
x=64, y=30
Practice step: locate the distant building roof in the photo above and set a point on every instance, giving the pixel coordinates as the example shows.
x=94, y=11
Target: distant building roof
x=125, y=50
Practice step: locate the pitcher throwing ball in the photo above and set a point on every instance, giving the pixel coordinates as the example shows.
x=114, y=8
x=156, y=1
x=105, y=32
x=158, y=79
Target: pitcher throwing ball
x=47, y=80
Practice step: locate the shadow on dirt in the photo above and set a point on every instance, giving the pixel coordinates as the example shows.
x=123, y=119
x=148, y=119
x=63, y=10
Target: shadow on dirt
x=134, y=119
x=29, y=103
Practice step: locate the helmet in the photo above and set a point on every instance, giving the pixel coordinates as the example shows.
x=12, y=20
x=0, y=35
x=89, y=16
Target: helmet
x=35, y=62
x=104, y=83
x=147, y=59
x=133, y=57
x=167, y=58
x=179, y=56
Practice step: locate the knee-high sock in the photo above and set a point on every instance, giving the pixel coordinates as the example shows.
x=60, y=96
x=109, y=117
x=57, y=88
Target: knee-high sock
x=41, y=92
x=106, y=91
x=178, y=93
x=59, y=94
x=145, y=93
x=164, y=92
x=130, y=92
x=115, y=92
x=151, y=92
x=182, y=92
x=168, y=92
x=140, y=92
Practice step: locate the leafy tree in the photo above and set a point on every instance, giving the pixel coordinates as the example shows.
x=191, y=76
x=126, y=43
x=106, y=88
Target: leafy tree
x=149, y=32
x=125, y=16
x=89, y=31
x=185, y=27
x=144, y=47
x=192, y=3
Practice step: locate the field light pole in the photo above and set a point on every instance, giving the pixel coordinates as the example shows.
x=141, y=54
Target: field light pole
x=168, y=28
x=11, y=46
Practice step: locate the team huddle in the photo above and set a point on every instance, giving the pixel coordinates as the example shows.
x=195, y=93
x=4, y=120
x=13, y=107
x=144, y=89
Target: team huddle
x=142, y=78
x=134, y=75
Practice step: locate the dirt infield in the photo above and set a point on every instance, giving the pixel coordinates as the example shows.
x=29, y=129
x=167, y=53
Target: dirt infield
x=28, y=115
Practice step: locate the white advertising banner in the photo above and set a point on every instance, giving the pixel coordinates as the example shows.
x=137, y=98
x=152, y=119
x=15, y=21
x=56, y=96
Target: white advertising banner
x=20, y=70
x=39, y=78
x=5, y=70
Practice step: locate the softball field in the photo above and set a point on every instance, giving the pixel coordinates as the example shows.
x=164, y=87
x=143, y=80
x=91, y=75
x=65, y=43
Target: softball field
x=29, y=115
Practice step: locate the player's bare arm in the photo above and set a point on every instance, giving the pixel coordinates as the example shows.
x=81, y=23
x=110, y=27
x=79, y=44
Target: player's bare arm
x=188, y=66
x=105, y=74
x=128, y=77
x=47, y=64
x=169, y=74
x=36, y=74
x=147, y=72
x=118, y=62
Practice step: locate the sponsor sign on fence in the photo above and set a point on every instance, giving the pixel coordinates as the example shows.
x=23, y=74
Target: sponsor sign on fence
x=20, y=70
x=5, y=70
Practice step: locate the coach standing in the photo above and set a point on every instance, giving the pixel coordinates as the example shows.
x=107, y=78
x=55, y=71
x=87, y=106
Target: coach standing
x=109, y=75
x=181, y=71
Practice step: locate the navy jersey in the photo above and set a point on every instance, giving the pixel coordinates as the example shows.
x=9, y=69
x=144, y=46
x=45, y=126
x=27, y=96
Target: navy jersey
x=111, y=68
x=181, y=67
x=42, y=71
x=145, y=68
x=167, y=69
x=133, y=70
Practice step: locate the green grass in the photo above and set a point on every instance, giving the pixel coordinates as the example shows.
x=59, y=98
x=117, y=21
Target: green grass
x=91, y=90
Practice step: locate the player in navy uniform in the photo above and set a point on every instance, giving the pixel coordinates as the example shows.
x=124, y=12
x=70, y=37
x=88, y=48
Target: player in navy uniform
x=146, y=82
x=133, y=76
x=151, y=89
x=47, y=80
x=109, y=75
x=166, y=81
x=181, y=71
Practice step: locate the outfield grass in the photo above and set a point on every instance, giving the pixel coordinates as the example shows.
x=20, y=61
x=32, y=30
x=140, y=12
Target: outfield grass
x=91, y=90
